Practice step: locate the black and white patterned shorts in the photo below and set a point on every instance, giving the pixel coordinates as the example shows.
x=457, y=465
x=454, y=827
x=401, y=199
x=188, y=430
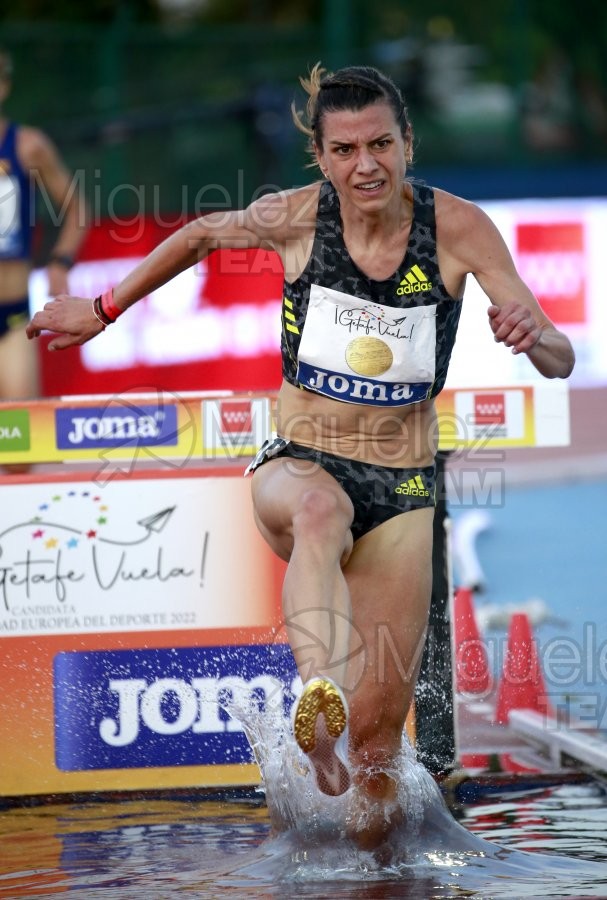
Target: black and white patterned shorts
x=378, y=493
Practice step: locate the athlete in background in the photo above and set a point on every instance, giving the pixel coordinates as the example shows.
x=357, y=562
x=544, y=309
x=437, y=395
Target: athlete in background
x=29, y=161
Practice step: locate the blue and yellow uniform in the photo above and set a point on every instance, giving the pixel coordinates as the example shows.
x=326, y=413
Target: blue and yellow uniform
x=16, y=223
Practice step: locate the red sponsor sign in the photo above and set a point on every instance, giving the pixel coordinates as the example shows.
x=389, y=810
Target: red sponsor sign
x=551, y=261
x=489, y=409
x=236, y=416
x=226, y=282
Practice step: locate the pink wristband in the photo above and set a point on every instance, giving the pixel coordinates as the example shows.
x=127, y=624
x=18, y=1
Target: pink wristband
x=109, y=307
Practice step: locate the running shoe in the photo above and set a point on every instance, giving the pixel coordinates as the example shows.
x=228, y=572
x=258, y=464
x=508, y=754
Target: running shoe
x=319, y=725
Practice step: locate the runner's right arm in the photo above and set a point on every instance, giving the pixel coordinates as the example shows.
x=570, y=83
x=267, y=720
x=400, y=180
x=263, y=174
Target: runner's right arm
x=265, y=223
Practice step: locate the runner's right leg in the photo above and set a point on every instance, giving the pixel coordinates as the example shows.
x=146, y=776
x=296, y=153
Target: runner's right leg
x=305, y=517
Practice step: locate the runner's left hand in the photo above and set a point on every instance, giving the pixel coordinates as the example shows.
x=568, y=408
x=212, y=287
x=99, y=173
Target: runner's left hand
x=514, y=326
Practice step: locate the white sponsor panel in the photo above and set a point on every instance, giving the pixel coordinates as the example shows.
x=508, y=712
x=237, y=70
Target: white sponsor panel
x=551, y=419
x=146, y=555
x=235, y=426
x=495, y=413
x=557, y=272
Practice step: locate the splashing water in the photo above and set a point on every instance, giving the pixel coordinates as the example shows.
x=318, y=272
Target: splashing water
x=425, y=848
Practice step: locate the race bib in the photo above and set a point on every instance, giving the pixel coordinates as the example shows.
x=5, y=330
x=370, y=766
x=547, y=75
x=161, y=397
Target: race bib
x=10, y=197
x=363, y=352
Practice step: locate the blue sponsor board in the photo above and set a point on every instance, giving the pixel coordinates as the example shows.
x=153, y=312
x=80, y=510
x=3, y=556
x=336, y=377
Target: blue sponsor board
x=127, y=709
x=121, y=425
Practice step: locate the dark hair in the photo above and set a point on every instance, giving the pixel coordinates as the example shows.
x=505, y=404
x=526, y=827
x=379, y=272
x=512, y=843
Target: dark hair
x=354, y=88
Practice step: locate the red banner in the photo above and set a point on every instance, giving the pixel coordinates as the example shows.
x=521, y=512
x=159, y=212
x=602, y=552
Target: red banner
x=216, y=327
x=551, y=260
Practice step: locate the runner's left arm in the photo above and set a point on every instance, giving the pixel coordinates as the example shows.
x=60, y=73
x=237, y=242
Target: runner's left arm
x=515, y=316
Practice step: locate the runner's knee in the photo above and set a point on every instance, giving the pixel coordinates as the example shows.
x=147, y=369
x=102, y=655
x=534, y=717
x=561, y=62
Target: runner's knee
x=322, y=514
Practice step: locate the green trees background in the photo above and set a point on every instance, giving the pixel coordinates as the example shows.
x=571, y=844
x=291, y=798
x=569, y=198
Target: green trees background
x=152, y=100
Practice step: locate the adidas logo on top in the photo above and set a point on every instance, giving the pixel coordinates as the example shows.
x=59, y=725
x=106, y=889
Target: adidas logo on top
x=414, y=282
x=413, y=487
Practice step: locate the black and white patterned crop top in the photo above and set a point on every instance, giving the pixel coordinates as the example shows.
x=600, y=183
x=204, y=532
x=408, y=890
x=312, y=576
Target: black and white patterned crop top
x=354, y=339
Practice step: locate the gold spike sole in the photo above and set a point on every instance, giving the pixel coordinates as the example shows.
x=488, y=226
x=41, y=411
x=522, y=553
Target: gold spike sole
x=320, y=695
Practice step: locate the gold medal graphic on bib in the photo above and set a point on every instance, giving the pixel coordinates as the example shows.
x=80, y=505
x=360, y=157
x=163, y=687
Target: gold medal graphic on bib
x=368, y=356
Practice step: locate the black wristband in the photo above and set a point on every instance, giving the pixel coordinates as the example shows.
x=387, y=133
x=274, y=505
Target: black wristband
x=61, y=260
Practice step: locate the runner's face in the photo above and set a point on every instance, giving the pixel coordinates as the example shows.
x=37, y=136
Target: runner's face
x=364, y=155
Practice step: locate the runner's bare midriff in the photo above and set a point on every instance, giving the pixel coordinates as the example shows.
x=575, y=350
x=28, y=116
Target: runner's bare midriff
x=14, y=276
x=399, y=436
